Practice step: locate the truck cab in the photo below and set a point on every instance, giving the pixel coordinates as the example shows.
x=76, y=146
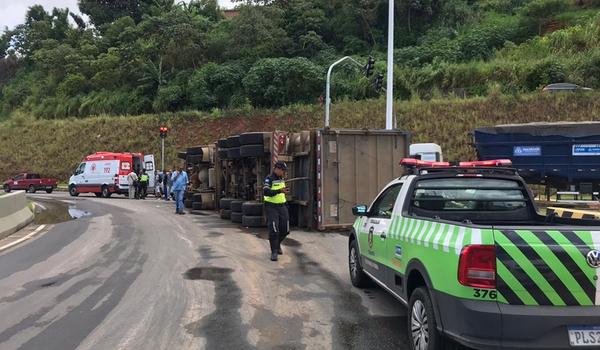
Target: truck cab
x=466, y=250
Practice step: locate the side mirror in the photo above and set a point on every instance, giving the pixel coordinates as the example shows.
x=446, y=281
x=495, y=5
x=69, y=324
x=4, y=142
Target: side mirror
x=359, y=210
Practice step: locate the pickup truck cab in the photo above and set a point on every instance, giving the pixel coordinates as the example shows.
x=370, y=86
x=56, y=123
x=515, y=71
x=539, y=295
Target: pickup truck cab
x=466, y=250
x=29, y=182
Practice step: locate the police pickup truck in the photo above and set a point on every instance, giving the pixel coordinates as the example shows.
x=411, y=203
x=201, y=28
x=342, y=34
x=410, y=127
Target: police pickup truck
x=465, y=249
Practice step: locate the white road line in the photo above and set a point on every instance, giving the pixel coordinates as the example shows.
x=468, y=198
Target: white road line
x=40, y=205
x=37, y=230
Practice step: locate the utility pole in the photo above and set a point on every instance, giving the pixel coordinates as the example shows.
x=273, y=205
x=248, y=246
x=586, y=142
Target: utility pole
x=389, y=105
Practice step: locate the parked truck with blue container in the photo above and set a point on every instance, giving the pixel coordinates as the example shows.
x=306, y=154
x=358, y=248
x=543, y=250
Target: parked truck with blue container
x=563, y=156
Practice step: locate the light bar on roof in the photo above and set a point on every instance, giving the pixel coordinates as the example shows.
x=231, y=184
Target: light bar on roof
x=487, y=163
x=417, y=163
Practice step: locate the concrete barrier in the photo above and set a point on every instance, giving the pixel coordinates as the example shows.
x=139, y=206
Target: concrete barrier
x=14, y=213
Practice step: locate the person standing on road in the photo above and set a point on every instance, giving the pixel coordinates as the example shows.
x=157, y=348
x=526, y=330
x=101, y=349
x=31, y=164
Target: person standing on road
x=132, y=179
x=144, y=180
x=165, y=182
x=278, y=217
x=180, y=181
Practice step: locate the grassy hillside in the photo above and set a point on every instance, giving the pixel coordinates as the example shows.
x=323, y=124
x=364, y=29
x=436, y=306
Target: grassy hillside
x=54, y=147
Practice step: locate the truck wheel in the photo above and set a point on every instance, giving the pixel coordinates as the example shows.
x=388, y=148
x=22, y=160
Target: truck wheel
x=252, y=138
x=236, y=206
x=233, y=141
x=223, y=153
x=358, y=277
x=225, y=214
x=49, y=190
x=225, y=203
x=252, y=151
x=195, y=151
x=197, y=205
x=253, y=221
x=105, y=192
x=73, y=191
x=236, y=217
x=222, y=143
x=422, y=328
x=233, y=153
x=252, y=208
x=6, y=188
x=188, y=203
x=197, y=197
x=31, y=189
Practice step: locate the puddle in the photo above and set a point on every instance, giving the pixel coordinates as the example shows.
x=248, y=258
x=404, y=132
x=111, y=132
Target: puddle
x=54, y=212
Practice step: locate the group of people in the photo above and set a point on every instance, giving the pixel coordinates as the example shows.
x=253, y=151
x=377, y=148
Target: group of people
x=168, y=185
x=138, y=184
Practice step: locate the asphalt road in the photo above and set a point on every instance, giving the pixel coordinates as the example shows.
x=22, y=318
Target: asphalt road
x=132, y=275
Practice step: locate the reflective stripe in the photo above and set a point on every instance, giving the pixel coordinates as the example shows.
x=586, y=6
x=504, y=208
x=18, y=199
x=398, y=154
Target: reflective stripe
x=278, y=198
x=596, y=240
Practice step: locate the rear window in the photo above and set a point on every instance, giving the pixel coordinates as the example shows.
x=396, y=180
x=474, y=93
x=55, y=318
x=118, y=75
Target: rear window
x=469, y=194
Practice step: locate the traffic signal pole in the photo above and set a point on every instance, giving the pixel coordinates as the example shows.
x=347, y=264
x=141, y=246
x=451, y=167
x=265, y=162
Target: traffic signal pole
x=162, y=153
x=328, y=86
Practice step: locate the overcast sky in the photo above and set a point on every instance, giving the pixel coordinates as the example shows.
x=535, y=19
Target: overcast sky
x=12, y=12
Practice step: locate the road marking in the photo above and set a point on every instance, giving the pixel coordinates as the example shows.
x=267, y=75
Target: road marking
x=37, y=230
x=40, y=205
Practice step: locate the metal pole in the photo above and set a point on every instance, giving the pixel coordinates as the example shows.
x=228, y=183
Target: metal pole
x=162, y=153
x=389, y=108
x=328, y=86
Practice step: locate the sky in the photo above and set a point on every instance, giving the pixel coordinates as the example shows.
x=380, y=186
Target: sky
x=12, y=12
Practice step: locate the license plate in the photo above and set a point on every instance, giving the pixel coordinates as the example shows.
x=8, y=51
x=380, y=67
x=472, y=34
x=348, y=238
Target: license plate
x=584, y=336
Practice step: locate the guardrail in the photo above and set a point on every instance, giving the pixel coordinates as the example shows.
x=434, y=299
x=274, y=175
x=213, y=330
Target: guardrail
x=14, y=213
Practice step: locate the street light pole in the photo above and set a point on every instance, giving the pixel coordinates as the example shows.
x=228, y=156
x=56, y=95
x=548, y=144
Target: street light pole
x=328, y=86
x=389, y=105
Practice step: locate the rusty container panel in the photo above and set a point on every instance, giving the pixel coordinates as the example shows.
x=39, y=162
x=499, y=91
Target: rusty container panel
x=353, y=166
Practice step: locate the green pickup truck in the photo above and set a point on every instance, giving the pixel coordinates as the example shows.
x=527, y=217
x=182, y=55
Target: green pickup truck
x=466, y=250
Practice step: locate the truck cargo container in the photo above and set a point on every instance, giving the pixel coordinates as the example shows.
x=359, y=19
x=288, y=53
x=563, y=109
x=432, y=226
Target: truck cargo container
x=565, y=156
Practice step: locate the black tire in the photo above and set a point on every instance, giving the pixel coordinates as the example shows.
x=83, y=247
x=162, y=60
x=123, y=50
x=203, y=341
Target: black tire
x=252, y=138
x=223, y=154
x=189, y=196
x=225, y=203
x=182, y=155
x=197, y=197
x=236, y=217
x=188, y=204
x=252, y=208
x=222, y=143
x=195, y=151
x=425, y=329
x=194, y=159
x=31, y=189
x=98, y=194
x=197, y=205
x=73, y=191
x=233, y=153
x=225, y=214
x=358, y=277
x=253, y=221
x=252, y=151
x=236, y=206
x=106, y=192
x=7, y=188
x=233, y=141
x=49, y=190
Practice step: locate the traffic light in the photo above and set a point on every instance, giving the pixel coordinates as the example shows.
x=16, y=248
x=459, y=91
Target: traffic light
x=370, y=66
x=163, y=132
x=378, y=82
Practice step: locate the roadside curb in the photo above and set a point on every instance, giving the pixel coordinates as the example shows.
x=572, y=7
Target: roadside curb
x=22, y=239
x=14, y=213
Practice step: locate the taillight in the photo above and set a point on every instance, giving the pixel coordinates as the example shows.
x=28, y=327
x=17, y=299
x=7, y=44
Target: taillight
x=477, y=266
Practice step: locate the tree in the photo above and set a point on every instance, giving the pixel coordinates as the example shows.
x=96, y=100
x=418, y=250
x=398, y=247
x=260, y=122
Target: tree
x=543, y=10
x=102, y=12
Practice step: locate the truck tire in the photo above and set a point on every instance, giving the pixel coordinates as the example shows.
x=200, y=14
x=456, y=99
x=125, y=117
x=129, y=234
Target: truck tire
x=197, y=197
x=253, y=221
x=222, y=143
x=106, y=192
x=252, y=208
x=181, y=155
x=252, y=151
x=233, y=153
x=6, y=188
x=188, y=203
x=223, y=153
x=252, y=138
x=422, y=327
x=225, y=203
x=236, y=217
x=197, y=205
x=195, y=151
x=358, y=277
x=194, y=159
x=189, y=196
x=233, y=141
x=49, y=190
x=31, y=189
x=73, y=191
x=236, y=206
x=225, y=214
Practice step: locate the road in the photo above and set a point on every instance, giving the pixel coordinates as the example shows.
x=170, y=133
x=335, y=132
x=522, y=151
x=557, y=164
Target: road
x=132, y=275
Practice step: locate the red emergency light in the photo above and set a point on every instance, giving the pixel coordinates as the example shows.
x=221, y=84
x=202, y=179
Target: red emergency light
x=487, y=163
x=417, y=163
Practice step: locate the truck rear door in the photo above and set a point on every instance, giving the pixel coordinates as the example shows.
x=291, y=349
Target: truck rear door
x=150, y=170
x=548, y=266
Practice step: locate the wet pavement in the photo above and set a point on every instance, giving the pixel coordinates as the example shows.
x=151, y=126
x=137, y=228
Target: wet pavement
x=119, y=274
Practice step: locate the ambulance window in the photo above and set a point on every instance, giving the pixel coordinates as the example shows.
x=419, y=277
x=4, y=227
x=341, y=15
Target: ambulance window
x=81, y=169
x=384, y=205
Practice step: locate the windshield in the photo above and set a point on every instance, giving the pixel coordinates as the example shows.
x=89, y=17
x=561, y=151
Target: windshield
x=469, y=194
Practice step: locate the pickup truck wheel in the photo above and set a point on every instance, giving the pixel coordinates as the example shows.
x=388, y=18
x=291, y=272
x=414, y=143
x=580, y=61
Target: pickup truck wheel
x=358, y=277
x=31, y=189
x=422, y=328
x=105, y=192
x=49, y=190
x=73, y=191
x=6, y=188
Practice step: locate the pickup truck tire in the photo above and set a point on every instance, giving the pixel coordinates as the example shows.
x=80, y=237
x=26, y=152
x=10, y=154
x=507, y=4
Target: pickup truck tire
x=236, y=206
x=422, y=327
x=252, y=151
x=252, y=209
x=358, y=277
x=253, y=221
x=225, y=203
x=252, y=138
x=105, y=192
x=225, y=214
x=236, y=217
x=73, y=191
x=49, y=190
x=98, y=194
x=31, y=189
x=6, y=188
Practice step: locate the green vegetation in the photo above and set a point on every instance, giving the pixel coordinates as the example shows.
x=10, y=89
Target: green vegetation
x=155, y=56
x=54, y=147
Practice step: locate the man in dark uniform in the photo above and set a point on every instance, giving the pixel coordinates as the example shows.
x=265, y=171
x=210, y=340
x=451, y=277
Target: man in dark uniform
x=278, y=217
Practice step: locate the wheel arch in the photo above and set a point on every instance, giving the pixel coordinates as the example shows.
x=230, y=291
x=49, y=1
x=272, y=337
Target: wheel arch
x=417, y=276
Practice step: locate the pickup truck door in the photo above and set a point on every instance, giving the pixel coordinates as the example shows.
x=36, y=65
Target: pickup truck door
x=18, y=182
x=375, y=232
x=150, y=170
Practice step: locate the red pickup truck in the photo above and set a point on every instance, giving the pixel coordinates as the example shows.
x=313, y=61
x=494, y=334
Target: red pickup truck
x=29, y=182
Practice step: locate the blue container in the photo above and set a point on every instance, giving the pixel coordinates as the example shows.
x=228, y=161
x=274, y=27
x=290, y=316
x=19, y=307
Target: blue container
x=558, y=154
